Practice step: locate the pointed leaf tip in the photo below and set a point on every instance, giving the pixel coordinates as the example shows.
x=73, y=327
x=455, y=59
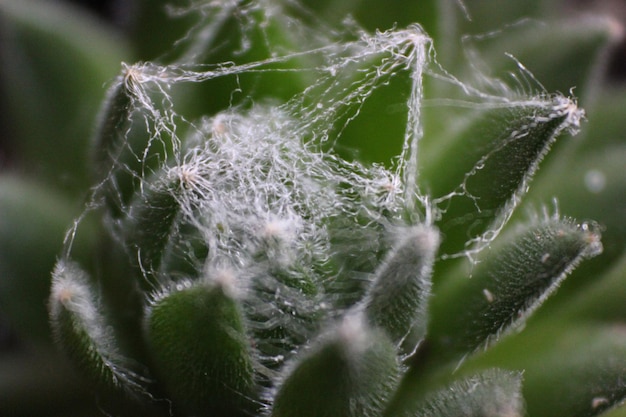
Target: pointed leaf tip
x=200, y=348
x=490, y=164
x=508, y=284
x=397, y=300
x=352, y=372
x=82, y=329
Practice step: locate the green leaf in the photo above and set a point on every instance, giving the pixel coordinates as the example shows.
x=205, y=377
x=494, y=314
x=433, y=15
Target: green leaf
x=397, y=300
x=136, y=133
x=113, y=124
x=351, y=372
x=506, y=285
x=488, y=164
x=151, y=221
x=200, y=348
x=587, y=180
x=81, y=327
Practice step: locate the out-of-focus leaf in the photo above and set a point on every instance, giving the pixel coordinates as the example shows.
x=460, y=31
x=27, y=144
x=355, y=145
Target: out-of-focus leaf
x=605, y=124
x=580, y=375
x=491, y=393
x=55, y=61
x=33, y=222
x=561, y=55
x=574, y=368
x=602, y=298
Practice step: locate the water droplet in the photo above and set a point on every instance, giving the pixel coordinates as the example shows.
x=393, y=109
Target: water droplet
x=595, y=181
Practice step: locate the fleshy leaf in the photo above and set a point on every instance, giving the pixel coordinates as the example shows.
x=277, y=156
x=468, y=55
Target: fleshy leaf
x=507, y=285
x=352, y=372
x=488, y=166
x=82, y=329
x=113, y=123
x=593, y=186
x=397, y=300
x=134, y=135
x=200, y=348
x=151, y=222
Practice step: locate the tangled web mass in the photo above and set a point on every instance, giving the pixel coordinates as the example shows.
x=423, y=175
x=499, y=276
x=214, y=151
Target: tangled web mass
x=261, y=190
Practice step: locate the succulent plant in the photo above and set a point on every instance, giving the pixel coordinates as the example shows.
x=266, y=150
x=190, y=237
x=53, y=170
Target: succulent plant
x=290, y=214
